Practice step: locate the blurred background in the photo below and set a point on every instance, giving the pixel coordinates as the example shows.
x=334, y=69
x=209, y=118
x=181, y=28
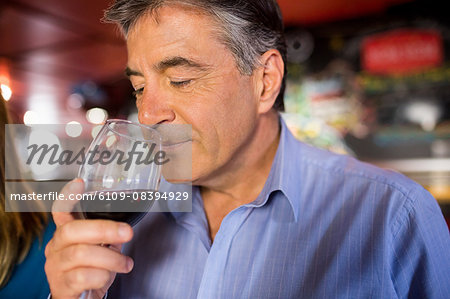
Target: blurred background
x=368, y=78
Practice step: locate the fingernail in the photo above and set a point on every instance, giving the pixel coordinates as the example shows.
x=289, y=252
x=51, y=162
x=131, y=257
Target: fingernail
x=124, y=230
x=130, y=264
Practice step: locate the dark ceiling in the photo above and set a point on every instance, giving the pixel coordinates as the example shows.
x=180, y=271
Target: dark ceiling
x=50, y=46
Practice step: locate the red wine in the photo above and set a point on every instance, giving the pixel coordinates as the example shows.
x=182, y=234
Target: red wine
x=128, y=206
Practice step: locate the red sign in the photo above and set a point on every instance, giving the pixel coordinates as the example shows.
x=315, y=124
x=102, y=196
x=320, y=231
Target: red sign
x=402, y=51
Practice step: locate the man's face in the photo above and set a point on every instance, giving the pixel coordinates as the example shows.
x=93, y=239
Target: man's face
x=183, y=74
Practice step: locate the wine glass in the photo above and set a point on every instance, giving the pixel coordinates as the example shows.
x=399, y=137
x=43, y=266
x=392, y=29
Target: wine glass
x=121, y=172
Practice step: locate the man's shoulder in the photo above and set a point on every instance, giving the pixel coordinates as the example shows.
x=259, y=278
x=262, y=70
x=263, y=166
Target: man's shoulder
x=345, y=184
x=340, y=179
x=346, y=169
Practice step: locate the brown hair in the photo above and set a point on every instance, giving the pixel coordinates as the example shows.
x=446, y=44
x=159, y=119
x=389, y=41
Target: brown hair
x=17, y=230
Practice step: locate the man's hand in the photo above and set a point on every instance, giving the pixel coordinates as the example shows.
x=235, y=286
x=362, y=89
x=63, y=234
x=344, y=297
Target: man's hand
x=75, y=260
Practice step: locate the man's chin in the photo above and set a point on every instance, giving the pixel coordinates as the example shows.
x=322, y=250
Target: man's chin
x=191, y=178
x=178, y=169
x=178, y=181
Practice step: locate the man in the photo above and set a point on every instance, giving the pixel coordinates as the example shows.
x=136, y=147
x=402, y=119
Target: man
x=272, y=218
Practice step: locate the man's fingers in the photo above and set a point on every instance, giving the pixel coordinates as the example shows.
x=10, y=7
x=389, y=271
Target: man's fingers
x=82, y=279
x=94, y=256
x=75, y=261
x=61, y=208
x=91, y=232
x=116, y=247
x=48, y=248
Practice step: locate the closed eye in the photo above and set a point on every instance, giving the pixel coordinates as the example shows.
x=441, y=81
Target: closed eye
x=180, y=83
x=138, y=91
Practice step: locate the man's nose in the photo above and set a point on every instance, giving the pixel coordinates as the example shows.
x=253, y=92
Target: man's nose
x=154, y=109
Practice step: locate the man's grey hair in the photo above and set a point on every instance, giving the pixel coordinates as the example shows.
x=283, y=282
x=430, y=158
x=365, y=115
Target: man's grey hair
x=249, y=28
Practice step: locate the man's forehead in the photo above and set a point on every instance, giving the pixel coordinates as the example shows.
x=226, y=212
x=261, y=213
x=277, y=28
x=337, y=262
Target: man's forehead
x=172, y=12
x=177, y=40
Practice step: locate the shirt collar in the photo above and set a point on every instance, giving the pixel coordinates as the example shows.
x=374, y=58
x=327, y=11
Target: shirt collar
x=283, y=176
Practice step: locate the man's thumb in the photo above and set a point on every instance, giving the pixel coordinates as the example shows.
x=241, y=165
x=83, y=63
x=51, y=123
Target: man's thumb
x=61, y=209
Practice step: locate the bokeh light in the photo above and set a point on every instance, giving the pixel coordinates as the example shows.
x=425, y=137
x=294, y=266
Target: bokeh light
x=6, y=92
x=96, y=115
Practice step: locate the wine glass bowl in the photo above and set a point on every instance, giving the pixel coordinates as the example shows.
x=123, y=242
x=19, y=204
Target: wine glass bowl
x=120, y=172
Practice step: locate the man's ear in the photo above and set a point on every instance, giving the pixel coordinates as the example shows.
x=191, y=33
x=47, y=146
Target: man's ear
x=270, y=79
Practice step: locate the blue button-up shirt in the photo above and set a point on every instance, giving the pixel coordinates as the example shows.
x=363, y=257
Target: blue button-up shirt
x=324, y=226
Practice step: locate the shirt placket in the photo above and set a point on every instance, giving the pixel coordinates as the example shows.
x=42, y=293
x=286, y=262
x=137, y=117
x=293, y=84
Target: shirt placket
x=211, y=285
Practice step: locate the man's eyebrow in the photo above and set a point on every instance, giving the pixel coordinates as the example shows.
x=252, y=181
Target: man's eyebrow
x=178, y=61
x=168, y=63
x=129, y=72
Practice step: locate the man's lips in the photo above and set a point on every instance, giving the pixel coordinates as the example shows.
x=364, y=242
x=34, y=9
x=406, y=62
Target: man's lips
x=175, y=144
